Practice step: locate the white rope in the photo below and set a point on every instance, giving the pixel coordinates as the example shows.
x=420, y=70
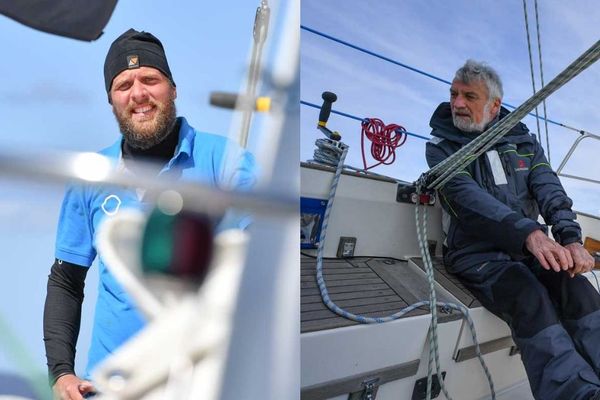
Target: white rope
x=537, y=117
x=328, y=152
x=433, y=337
x=338, y=151
x=537, y=27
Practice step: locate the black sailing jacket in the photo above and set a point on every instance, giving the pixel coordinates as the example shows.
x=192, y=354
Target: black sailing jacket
x=492, y=205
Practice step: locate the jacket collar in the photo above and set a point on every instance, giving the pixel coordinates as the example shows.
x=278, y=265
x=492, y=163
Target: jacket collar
x=443, y=127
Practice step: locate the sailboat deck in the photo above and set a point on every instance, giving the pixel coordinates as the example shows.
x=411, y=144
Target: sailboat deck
x=369, y=286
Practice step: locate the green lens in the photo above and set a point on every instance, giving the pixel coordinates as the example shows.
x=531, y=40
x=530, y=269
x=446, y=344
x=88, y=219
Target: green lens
x=179, y=245
x=158, y=242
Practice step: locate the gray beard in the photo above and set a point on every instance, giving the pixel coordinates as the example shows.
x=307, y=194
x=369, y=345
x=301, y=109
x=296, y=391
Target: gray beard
x=144, y=140
x=470, y=126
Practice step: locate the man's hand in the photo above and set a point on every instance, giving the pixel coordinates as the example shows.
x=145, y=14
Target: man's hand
x=583, y=261
x=549, y=253
x=70, y=387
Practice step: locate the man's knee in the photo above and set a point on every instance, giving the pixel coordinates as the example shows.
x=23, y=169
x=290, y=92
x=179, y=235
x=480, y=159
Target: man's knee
x=524, y=301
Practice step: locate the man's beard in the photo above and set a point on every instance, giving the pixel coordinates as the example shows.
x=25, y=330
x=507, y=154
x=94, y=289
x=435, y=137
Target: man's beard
x=148, y=135
x=466, y=124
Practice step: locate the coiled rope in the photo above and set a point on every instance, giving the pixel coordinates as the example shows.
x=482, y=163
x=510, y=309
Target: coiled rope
x=328, y=151
x=432, y=303
x=385, y=139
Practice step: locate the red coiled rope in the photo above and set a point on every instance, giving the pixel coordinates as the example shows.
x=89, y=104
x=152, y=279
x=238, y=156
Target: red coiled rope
x=385, y=139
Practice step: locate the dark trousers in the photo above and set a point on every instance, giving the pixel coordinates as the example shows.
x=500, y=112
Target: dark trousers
x=555, y=322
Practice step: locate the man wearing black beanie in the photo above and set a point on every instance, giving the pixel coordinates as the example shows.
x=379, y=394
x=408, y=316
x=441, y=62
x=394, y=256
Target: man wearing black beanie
x=142, y=92
x=140, y=56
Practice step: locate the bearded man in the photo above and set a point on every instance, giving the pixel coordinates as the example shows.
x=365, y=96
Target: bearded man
x=498, y=250
x=142, y=92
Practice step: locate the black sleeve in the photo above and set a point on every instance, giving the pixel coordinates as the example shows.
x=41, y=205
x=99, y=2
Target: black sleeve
x=62, y=316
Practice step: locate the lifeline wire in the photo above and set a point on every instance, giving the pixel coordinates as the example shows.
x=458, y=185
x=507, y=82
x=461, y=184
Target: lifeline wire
x=445, y=170
x=347, y=115
x=351, y=116
x=343, y=114
x=306, y=28
x=433, y=347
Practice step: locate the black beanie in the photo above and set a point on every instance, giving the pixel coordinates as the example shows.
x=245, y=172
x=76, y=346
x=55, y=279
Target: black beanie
x=135, y=49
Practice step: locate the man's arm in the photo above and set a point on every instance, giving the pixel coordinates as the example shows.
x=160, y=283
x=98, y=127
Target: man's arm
x=481, y=213
x=62, y=316
x=553, y=202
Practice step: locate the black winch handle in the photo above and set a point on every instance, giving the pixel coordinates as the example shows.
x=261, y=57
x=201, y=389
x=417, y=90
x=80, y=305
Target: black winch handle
x=328, y=99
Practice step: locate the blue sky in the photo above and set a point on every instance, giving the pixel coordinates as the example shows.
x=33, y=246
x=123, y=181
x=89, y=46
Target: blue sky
x=52, y=97
x=437, y=37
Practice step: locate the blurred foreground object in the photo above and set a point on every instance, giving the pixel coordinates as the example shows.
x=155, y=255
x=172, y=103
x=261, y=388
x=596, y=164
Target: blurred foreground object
x=186, y=340
x=83, y=20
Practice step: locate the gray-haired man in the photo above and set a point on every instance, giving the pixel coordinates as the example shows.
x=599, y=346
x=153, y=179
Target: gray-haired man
x=497, y=248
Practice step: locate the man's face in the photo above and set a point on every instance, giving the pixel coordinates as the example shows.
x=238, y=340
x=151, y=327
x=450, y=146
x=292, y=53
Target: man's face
x=471, y=109
x=143, y=102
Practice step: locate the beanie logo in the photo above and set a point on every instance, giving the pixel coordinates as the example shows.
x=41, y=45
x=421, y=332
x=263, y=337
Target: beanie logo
x=133, y=61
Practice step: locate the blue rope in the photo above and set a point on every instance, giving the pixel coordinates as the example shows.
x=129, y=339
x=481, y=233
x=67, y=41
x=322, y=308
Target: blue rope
x=432, y=303
x=321, y=280
x=433, y=339
x=306, y=103
x=437, y=78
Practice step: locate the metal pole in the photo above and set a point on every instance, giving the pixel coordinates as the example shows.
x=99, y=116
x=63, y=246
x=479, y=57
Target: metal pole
x=570, y=153
x=261, y=27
